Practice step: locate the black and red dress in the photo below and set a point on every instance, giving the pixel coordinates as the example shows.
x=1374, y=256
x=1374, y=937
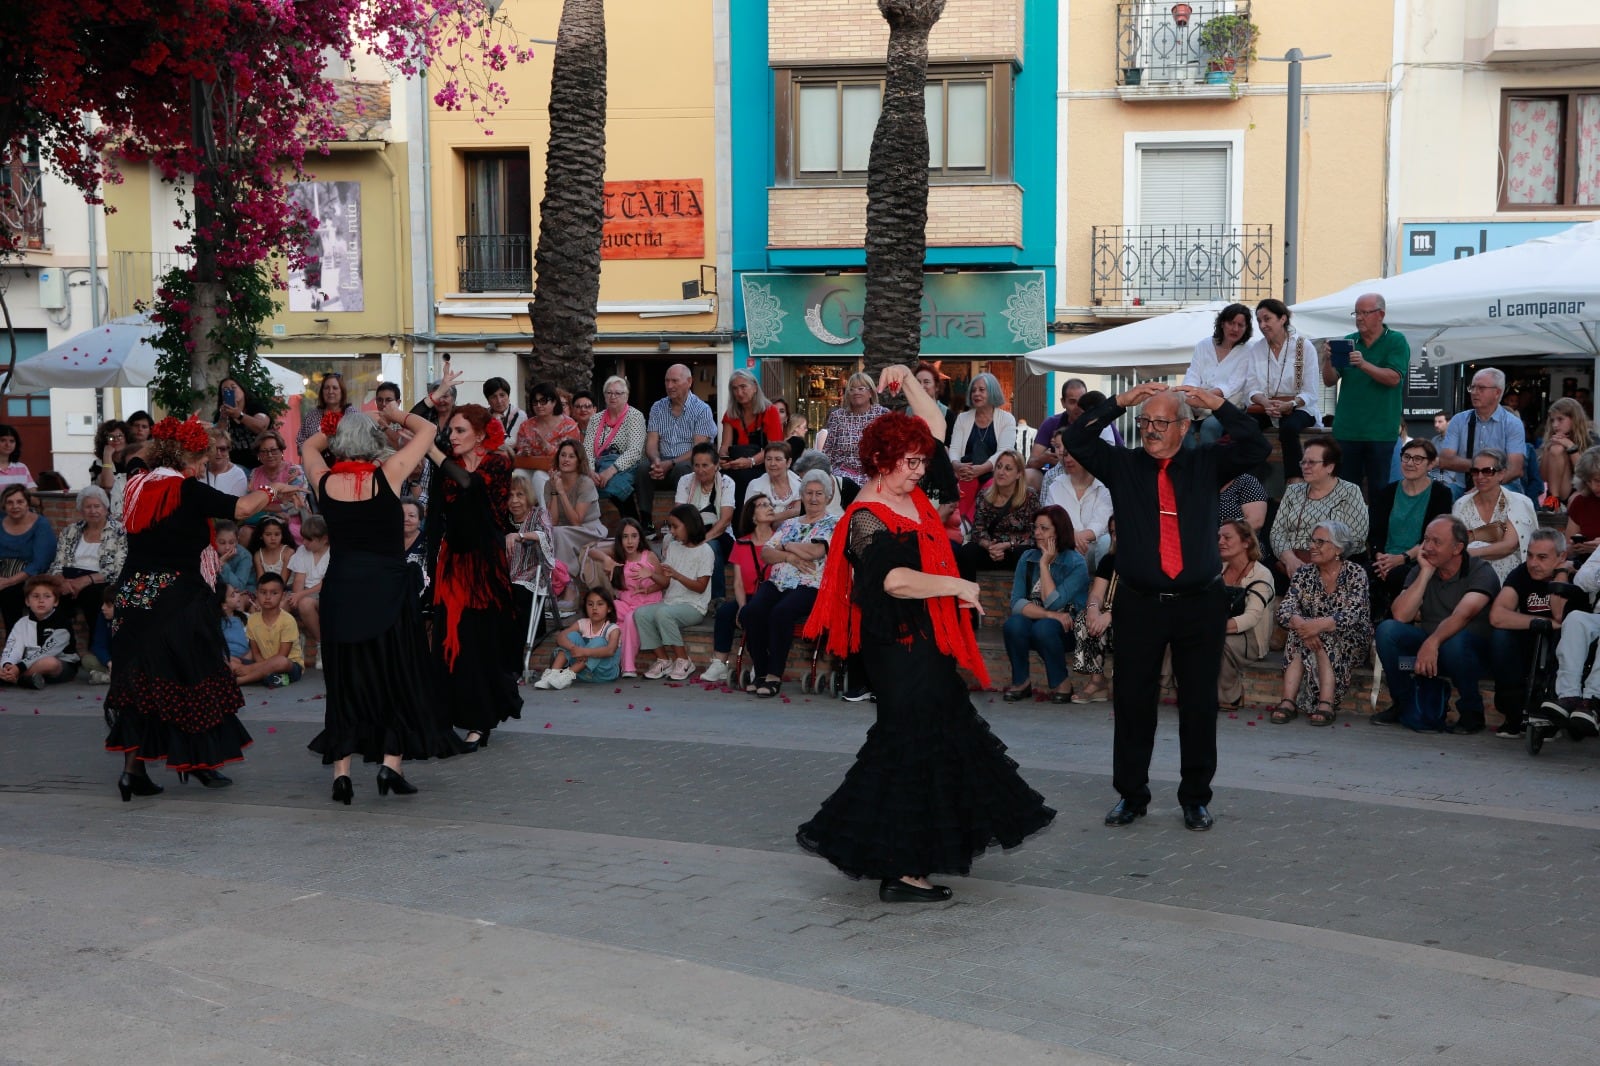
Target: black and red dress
x=172, y=695
x=473, y=629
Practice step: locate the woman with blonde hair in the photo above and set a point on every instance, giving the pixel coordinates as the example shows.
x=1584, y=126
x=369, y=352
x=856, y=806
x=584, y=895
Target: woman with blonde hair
x=750, y=424
x=845, y=426
x=1250, y=626
x=981, y=433
x=1566, y=436
x=1002, y=523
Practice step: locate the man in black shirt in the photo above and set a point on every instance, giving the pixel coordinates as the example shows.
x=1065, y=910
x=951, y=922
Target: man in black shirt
x=1525, y=606
x=1170, y=594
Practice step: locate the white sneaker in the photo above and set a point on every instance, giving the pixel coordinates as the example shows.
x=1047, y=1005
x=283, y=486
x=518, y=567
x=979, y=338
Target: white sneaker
x=544, y=679
x=562, y=678
x=719, y=670
x=659, y=669
x=681, y=669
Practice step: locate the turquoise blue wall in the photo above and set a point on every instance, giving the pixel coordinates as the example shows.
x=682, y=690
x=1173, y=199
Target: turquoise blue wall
x=751, y=125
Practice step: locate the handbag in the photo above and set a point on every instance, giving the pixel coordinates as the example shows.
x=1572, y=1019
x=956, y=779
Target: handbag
x=1430, y=697
x=1239, y=598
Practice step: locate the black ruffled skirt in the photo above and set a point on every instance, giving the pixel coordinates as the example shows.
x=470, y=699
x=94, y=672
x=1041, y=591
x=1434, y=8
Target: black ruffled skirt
x=481, y=689
x=932, y=787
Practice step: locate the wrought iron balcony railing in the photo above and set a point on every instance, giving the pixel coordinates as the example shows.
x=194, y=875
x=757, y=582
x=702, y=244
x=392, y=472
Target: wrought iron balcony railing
x=499, y=262
x=1165, y=44
x=22, y=204
x=1134, y=265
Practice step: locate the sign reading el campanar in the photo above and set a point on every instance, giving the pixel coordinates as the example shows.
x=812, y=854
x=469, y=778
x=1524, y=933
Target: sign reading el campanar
x=654, y=220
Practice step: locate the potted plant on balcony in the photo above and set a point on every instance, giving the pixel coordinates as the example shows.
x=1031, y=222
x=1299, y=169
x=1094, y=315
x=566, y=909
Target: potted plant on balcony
x=1226, y=39
x=1132, y=75
x=1181, y=13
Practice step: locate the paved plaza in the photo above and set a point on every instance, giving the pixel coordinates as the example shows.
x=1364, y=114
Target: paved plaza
x=614, y=880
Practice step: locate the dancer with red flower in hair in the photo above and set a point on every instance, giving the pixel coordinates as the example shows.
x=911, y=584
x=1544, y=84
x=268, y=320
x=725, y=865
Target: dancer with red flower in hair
x=932, y=787
x=472, y=580
x=383, y=701
x=173, y=697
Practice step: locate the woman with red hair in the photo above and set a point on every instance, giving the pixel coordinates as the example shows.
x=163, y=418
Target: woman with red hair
x=932, y=787
x=173, y=696
x=472, y=580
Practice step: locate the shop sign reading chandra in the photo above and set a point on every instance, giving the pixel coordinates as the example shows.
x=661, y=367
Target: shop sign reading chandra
x=975, y=314
x=654, y=220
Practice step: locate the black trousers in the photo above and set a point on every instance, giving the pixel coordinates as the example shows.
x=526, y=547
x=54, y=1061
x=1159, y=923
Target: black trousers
x=1194, y=628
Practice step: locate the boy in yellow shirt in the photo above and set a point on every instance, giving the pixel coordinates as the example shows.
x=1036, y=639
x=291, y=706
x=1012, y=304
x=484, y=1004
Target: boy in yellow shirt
x=275, y=655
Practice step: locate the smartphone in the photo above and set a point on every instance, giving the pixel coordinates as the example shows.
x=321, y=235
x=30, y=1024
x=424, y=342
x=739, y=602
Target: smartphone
x=1339, y=353
x=229, y=396
x=446, y=357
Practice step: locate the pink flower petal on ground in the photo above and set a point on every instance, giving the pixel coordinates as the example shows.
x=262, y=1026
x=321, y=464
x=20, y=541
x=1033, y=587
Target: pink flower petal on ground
x=647, y=710
x=616, y=692
x=547, y=725
x=630, y=706
x=272, y=729
x=1251, y=724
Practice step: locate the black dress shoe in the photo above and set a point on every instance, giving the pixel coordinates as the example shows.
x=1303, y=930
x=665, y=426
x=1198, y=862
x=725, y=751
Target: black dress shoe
x=1196, y=817
x=898, y=891
x=139, y=784
x=208, y=778
x=393, y=781
x=1388, y=716
x=1017, y=695
x=1464, y=728
x=343, y=790
x=1124, y=813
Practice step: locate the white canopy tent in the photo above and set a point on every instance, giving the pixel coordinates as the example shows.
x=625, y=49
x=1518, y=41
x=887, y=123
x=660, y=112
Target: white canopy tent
x=1163, y=344
x=1541, y=297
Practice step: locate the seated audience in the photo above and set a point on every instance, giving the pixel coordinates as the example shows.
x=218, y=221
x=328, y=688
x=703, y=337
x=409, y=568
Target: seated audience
x=1566, y=436
x=1526, y=605
x=1250, y=629
x=13, y=471
x=1244, y=499
x=684, y=578
x=110, y=440
x=1399, y=513
x=41, y=648
x=1283, y=384
x=1583, y=506
x=276, y=658
x=980, y=433
x=613, y=445
x=757, y=525
x=1321, y=497
x=1002, y=524
x=629, y=567
x=712, y=493
x=220, y=472
x=1575, y=703
x=1048, y=592
x=274, y=547
x=238, y=565
x=1498, y=520
x=1220, y=364
x=780, y=485
x=275, y=470
x=589, y=649
x=572, y=504
x=795, y=554
x=1329, y=622
x=308, y=566
x=90, y=554
x=749, y=424
x=1091, y=633
x=497, y=394
x=27, y=548
x=1087, y=502
x=1440, y=620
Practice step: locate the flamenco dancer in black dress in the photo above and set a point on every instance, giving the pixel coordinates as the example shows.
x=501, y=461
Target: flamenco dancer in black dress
x=932, y=787
x=172, y=696
x=383, y=700
x=471, y=580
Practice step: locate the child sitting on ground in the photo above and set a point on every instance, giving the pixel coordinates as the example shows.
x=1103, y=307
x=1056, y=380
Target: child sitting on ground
x=238, y=567
x=276, y=659
x=307, y=567
x=594, y=640
x=233, y=633
x=41, y=648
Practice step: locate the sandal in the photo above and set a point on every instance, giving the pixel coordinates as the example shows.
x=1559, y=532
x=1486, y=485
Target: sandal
x=768, y=689
x=1285, y=711
x=1320, y=716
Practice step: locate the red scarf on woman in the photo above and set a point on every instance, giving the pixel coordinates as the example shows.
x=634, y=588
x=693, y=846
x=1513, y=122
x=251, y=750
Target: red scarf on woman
x=837, y=615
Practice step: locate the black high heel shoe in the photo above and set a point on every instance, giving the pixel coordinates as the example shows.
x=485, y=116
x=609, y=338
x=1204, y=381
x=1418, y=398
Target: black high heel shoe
x=208, y=778
x=483, y=738
x=131, y=785
x=343, y=790
x=391, y=779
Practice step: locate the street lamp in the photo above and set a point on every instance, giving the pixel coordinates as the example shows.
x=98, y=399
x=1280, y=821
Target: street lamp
x=1291, y=168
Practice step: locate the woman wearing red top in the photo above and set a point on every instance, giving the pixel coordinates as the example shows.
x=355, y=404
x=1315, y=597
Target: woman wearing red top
x=750, y=424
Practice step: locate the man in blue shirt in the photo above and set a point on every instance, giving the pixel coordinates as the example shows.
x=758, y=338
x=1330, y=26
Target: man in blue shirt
x=678, y=421
x=1486, y=424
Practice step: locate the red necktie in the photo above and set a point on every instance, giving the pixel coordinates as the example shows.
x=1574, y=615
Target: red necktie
x=1171, y=549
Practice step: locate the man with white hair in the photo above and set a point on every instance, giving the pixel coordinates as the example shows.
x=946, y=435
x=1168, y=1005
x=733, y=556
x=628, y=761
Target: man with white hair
x=1486, y=424
x=1371, y=390
x=1170, y=591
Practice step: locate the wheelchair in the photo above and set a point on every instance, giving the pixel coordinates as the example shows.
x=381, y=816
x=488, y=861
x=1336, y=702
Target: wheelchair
x=1541, y=687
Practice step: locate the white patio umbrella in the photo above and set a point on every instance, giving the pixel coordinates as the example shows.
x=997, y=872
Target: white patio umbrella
x=116, y=354
x=1541, y=297
x=1163, y=344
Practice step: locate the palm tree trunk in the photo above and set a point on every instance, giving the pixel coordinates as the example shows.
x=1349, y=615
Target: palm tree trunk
x=572, y=212
x=897, y=191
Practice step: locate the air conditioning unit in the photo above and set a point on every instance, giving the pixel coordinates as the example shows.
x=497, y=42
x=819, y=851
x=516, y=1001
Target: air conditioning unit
x=52, y=289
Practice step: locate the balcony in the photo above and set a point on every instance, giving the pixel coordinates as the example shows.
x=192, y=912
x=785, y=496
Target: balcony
x=500, y=262
x=22, y=205
x=1170, y=266
x=133, y=275
x=1163, y=53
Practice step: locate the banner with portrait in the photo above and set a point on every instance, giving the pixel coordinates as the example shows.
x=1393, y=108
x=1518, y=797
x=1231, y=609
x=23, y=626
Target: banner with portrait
x=330, y=279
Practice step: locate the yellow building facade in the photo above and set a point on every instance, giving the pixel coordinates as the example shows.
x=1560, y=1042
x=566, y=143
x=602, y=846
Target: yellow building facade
x=1172, y=167
x=665, y=222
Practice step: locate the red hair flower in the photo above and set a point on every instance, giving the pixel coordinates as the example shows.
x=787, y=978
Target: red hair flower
x=494, y=436
x=191, y=435
x=330, y=422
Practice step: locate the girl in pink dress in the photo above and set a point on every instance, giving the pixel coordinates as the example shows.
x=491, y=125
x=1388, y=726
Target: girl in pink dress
x=630, y=564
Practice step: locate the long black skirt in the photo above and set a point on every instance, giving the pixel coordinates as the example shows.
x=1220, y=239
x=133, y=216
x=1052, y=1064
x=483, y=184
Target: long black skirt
x=932, y=787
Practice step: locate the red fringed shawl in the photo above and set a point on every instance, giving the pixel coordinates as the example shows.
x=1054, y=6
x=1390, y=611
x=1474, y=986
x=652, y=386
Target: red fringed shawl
x=151, y=495
x=837, y=615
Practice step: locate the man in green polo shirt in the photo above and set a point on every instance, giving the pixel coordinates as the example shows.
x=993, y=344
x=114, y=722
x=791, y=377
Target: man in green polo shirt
x=1367, y=421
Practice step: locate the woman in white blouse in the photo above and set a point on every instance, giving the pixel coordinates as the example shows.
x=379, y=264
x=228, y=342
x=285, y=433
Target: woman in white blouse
x=1283, y=381
x=1087, y=502
x=1221, y=363
x=982, y=431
